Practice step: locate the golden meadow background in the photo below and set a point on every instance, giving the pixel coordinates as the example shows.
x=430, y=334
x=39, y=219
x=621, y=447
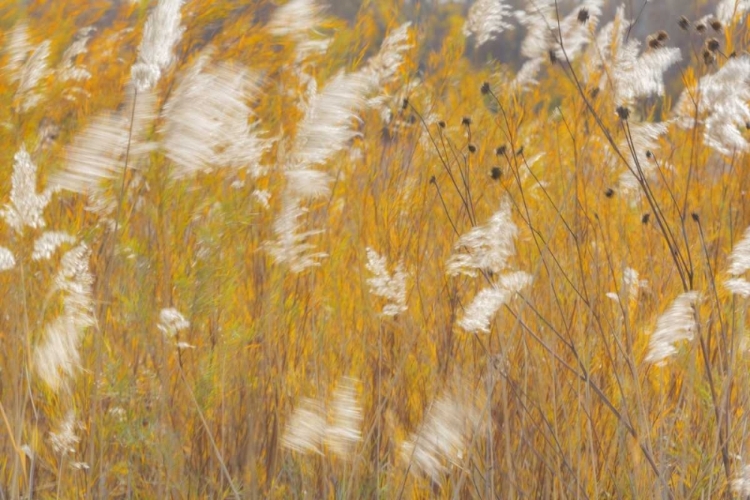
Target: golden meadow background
x=287, y=381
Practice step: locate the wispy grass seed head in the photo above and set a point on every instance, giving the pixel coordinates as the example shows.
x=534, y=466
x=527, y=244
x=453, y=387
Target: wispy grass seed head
x=675, y=324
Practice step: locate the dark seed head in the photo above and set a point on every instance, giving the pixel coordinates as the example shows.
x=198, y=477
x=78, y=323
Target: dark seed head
x=654, y=43
x=609, y=193
x=700, y=28
x=485, y=88
x=683, y=23
x=648, y=154
x=732, y=55
x=501, y=150
x=623, y=112
x=466, y=121
x=716, y=25
x=405, y=104
x=644, y=219
x=747, y=125
x=662, y=36
x=433, y=180
x=441, y=124
x=495, y=173
x=472, y=148
x=695, y=217
x=552, y=56
x=520, y=151
x=594, y=92
x=712, y=44
x=583, y=15
x=708, y=57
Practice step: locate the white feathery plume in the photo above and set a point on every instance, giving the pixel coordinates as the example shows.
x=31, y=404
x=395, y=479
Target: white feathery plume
x=309, y=428
x=290, y=246
x=645, y=140
x=7, y=260
x=739, y=259
x=18, y=48
x=741, y=483
x=160, y=34
x=65, y=439
x=486, y=20
x=306, y=429
x=738, y=286
x=32, y=72
x=675, y=324
x=631, y=285
x=722, y=106
x=542, y=38
x=486, y=247
x=205, y=121
x=739, y=264
x=48, y=243
x=391, y=287
x=344, y=431
x=298, y=19
x=172, y=321
x=488, y=301
x=729, y=10
x=68, y=70
x=98, y=153
x=26, y=208
x=326, y=127
x=56, y=358
x=382, y=67
x=526, y=76
x=443, y=437
x=631, y=75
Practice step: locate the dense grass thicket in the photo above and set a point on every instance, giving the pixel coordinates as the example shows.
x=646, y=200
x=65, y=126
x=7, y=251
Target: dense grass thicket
x=253, y=249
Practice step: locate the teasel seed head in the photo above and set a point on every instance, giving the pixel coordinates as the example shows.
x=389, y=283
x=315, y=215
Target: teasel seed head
x=583, y=15
x=496, y=173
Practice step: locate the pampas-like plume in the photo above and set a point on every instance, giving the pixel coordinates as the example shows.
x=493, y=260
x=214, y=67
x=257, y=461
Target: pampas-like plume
x=729, y=10
x=171, y=321
x=206, y=121
x=631, y=74
x=339, y=429
x=26, y=207
x=382, y=67
x=645, y=142
x=485, y=248
x=480, y=312
x=32, y=72
x=327, y=125
x=739, y=264
x=486, y=20
x=48, y=243
x=160, y=34
x=7, y=260
x=298, y=19
x=721, y=100
x=676, y=324
x=98, y=153
x=391, y=287
x=290, y=246
x=65, y=439
x=741, y=482
x=443, y=438
x=543, y=34
x=56, y=358
x=17, y=48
